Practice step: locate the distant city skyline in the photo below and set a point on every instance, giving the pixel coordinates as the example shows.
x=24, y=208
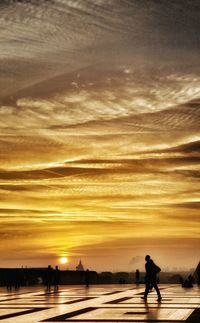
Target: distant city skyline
x=99, y=133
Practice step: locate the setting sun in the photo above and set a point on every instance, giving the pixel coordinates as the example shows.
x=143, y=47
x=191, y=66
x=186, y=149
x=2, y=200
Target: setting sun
x=63, y=260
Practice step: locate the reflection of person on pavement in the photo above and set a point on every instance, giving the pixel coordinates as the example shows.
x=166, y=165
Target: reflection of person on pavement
x=151, y=279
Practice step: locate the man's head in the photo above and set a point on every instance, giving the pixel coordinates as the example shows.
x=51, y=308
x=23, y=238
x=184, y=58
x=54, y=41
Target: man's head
x=147, y=257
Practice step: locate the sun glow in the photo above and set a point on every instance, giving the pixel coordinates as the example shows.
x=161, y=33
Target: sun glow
x=63, y=260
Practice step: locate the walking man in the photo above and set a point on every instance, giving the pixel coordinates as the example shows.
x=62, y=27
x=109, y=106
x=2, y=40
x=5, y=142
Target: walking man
x=151, y=280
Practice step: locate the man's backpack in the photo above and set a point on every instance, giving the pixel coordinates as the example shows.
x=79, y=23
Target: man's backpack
x=156, y=269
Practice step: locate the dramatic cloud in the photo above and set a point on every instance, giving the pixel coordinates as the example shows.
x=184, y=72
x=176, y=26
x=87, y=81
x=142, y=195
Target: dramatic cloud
x=99, y=120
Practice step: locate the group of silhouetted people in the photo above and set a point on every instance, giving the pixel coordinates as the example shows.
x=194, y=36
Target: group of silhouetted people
x=52, y=277
x=13, y=279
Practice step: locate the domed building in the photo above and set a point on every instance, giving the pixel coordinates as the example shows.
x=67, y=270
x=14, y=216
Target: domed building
x=80, y=266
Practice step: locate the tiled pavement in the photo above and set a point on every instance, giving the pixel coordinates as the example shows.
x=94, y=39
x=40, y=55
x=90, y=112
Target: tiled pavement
x=99, y=303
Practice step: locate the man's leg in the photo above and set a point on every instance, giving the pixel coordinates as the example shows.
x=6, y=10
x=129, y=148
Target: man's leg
x=147, y=288
x=157, y=290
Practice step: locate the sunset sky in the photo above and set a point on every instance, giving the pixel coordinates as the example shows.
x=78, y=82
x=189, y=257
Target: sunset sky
x=99, y=133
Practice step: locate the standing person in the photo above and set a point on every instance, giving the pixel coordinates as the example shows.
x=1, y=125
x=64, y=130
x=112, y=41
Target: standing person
x=137, y=277
x=49, y=274
x=198, y=275
x=87, y=278
x=56, y=278
x=151, y=280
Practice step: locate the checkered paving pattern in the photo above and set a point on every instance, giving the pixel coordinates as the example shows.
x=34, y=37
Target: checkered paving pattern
x=100, y=303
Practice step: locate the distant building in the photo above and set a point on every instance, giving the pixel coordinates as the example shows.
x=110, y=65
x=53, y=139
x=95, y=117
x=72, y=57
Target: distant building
x=80, y=267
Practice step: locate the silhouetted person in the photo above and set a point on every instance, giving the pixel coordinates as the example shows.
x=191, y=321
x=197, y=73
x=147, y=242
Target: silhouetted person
x=137, y=276
x=198, y=275
x=191, y=279
x=151, y=279
x=188, y=283
x=16, y=277
x=56, y=278
x=49, y=277
x=87, y=278
x=9, y=279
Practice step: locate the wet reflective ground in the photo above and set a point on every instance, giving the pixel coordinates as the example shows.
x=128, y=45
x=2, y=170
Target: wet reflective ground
x=100, y=303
